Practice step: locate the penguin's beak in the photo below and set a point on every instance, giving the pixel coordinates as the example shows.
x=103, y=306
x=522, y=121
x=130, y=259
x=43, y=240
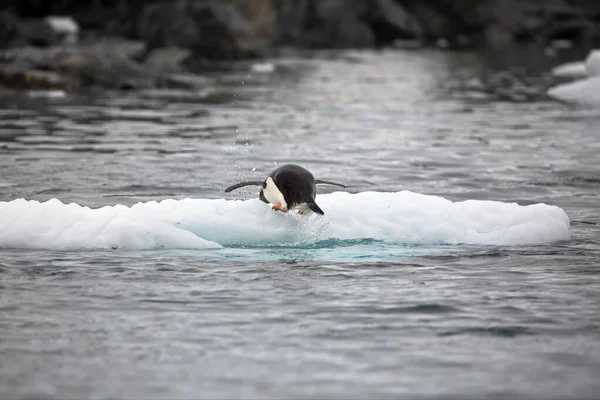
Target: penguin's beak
x=280, y=208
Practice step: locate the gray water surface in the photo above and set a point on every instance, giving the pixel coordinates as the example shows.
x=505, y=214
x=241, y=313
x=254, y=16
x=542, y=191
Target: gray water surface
x=336, y=322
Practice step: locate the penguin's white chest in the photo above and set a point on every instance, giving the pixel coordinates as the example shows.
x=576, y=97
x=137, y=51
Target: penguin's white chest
x=273, y=195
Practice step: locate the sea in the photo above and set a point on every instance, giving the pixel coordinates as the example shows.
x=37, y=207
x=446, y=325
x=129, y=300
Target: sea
x=353, y=316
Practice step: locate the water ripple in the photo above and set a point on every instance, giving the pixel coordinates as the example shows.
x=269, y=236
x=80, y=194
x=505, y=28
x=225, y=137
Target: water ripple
x=336, y=319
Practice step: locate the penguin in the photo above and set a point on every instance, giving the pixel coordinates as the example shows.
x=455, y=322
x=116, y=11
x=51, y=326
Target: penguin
x=289, y=187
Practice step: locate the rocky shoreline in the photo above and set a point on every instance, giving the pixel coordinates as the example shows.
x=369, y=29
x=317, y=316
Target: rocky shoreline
x=134, y=44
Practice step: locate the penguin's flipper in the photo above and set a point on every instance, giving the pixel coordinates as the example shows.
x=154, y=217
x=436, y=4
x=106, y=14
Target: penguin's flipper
x=322, y=182
x=242, y=184
x=313, y=206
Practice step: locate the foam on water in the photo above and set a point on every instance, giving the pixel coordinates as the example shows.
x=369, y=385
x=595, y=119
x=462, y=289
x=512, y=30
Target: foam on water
x=404, y=218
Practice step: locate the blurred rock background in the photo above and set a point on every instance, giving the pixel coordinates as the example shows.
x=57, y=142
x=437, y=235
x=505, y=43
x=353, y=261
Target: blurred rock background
x=129, y=44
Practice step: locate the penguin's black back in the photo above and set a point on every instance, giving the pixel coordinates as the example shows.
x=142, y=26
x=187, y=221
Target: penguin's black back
x=296, y=184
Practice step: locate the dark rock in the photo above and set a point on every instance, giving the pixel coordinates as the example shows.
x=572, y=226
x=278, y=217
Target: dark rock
x=169, y=59
x=513, y=87
x=49, y=31
x=445, y=21
x=125, y=48
x=222, y=30
x=345, y=24
x=435, y=23
x=504, y=22
x=542, y=23
x=8, y=28
x=262, y=16
x=14, y=76
x=36, y=32
x=31, y=8
x=72, y=68
x=337, y=24
x=391, y=22
x=211, y=29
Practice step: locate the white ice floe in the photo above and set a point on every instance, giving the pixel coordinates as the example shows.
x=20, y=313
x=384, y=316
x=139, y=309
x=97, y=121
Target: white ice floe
x=592, y=63
x=585, y=89
x=584, y=92
x=65, y=27
x=580, y=69
x=402, y=217
x=574, y=69
x=263, y=68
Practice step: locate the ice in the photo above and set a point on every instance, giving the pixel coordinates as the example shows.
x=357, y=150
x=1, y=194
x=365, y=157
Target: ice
x=592, y=63
x=575, y=69
x=62, y=24
x=585, y=90
x=263, y=68
x=400, y=217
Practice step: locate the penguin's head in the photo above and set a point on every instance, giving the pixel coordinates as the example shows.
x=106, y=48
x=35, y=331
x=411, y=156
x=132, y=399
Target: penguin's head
x=271, y=193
